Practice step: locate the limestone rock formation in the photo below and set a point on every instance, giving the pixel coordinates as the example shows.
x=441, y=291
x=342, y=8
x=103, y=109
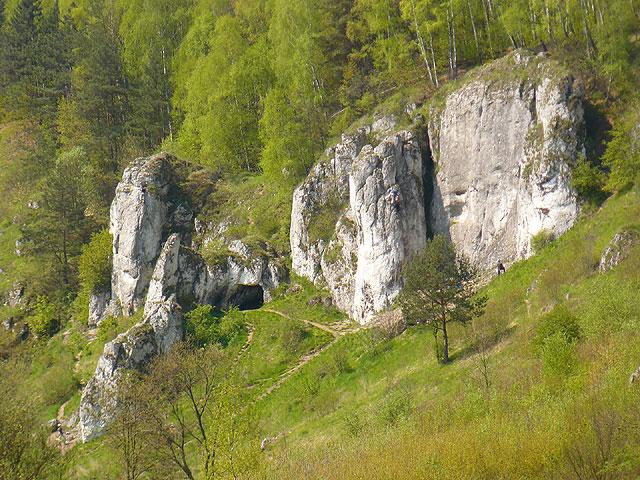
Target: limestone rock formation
x=618, y=249
x=139, y=212
x=387, y=200
x=147, y=209
x=504, y=152
x=160, y=328
x=491, y=170
x=369, y=203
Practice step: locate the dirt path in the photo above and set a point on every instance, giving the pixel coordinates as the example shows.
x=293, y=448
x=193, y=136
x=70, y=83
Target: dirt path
x=326, y=328
x=247, y=344
x=308, y=356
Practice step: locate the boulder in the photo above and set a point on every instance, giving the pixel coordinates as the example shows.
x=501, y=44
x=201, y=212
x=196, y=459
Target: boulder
x=100, y=306
x=618, y=249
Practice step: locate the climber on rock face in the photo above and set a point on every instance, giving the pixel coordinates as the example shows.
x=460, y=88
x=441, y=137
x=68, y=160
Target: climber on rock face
x=394, y=197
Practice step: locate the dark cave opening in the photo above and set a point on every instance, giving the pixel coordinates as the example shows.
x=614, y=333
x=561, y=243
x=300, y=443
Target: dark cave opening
x=246, y=297
x=428, y=177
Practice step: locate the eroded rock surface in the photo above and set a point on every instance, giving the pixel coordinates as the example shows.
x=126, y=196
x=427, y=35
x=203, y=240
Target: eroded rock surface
x=139, y=213
x=491, y=170
x=148, y=207
x=371, y=200
x=618, y=249
x=504, y=151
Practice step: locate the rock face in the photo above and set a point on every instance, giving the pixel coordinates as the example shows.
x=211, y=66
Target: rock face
x=153, y=262
x=139, y=212
x=504, y=155
x=373, y=203
x=491, y=171
x=387, y=200
x=618, y=249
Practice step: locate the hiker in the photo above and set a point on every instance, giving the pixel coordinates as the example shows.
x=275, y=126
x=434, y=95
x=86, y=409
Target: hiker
x=501, y=268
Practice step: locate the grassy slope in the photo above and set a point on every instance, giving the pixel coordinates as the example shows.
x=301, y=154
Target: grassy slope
x=368, y=409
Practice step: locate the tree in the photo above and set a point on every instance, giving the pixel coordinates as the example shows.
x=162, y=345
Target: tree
x=127, y=433
x=59, y=227
x=439, y=288
x=24, y=451
x=187, y=384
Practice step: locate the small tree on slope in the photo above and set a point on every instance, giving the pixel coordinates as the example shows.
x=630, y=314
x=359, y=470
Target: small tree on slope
x=439, y=288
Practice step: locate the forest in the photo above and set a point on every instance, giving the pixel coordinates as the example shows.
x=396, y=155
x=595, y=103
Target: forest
x=246, y=86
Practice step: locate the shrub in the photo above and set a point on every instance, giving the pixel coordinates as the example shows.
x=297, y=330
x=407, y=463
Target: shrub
x=94, y=265
x=588, y=181
x=541, y=239
x=560, y=321
x=43, y=321
x=107, y=329
x=206, y=327
x=558, y=356
x=555, y=341
x=291, y=336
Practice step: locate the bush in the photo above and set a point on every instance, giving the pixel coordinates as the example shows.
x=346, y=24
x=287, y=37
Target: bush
x=560, y=321
x=205, y=327
x=556, y=339
x=94, y=265
x=588, y=181
x=541, y=239
x=43, y=321
x=291, y=336
x=558, y=356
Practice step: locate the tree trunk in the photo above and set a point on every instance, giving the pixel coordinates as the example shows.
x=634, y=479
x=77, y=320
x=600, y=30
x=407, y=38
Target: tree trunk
x=421, y=45
x=445, y=346
x=473, y=26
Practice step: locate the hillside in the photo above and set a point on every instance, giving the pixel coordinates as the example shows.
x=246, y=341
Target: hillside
x=295, y=239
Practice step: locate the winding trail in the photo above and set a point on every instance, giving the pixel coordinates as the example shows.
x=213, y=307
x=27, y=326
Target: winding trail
x=306, y=358
x=321, y=326
x=250, y=330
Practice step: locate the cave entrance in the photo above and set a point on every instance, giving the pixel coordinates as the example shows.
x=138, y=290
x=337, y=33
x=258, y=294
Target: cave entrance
x=246, y=297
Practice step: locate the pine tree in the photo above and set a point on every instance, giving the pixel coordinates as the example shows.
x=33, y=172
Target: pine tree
x=19, y=62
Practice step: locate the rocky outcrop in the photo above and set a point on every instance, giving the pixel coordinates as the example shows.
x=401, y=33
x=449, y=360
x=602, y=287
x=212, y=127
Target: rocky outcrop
x=491, y=170
x=100, y=306
x=160, y=328
x=139, y=213
x=618, y=249
x=147, y=209
x=369, y=203
x=387, y=200
x=503, y=152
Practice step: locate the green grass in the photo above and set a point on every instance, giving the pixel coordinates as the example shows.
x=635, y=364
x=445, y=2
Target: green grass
x=368, y=407
x=449, y=425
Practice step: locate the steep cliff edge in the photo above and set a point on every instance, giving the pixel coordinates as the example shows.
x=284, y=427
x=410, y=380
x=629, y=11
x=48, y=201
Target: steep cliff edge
x=503, y=149
x=491, y=169
x=152, y=223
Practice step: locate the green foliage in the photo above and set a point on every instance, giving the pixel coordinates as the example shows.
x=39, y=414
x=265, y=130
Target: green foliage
x=292, y=336
x=588, y=181
x=439, y=289
x=622, y=155
x=43, y=320
x=94, y=263
x=206, y=327
x=541, y=240
x=561, y=323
